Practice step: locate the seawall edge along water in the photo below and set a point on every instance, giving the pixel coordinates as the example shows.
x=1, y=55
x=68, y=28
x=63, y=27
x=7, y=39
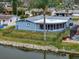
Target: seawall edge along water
x=36, y=47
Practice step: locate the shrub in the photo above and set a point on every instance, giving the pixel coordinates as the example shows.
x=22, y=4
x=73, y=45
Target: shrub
x=8, y=30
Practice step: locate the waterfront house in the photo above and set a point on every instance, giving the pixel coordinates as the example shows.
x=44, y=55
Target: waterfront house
x=53, y=23
x=7, y=20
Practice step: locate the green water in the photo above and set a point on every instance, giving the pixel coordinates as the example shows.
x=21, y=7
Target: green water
x=74, y=57
x=13, y=53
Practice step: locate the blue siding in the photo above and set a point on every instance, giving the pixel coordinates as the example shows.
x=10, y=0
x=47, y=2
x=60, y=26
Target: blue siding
x=1, y=26
x=25, y=25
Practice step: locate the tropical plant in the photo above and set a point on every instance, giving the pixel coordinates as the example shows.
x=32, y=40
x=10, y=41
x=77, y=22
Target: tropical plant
x=4, y=0
x=44, y=5
x=17, y=6
x=14, y=5
x=41, y=4
x=1, y=7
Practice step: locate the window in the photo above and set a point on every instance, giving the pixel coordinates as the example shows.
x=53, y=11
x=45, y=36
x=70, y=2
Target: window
x=71, y=24
x=28, y=24
x=48, y=26
x=10, y=20
x=51, y=26
x=3, y=20
x=54, y=26
x=60, y=25
x=63, y=25
x=41, y=26
x=57, y=26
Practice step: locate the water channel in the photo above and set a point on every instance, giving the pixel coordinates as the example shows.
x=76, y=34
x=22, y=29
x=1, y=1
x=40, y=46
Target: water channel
x=14, y=53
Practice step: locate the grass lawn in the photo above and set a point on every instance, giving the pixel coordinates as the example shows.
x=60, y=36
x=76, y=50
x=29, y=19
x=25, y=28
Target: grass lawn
x=53, y=39
x=75, y=18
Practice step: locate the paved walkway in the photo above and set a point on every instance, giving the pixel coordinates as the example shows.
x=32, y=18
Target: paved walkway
x=71, y=41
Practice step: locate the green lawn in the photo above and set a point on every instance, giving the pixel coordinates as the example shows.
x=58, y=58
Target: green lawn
x=75, y=18
x=54, y=38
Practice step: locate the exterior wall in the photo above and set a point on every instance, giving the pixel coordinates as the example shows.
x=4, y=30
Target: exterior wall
x=13, y=22
x=8, y=22
x=1, y=26
x=25, y=25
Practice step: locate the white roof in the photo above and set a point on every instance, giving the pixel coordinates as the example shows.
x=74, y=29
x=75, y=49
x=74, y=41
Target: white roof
x=75, y=14
x=49, y=21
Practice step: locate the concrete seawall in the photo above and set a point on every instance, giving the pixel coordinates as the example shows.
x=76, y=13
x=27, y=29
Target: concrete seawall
x=37, y=47
x=26, y=45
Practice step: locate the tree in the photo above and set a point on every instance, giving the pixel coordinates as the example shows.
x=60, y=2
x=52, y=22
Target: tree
x=68, y=4
x=59, y=4
x=1, y=7
x=14, y=5
x=41, y=4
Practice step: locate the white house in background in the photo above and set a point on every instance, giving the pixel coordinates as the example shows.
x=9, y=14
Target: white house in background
x=7, y=20
x=69, y=13
x=6, y=4
x=75, y=13
x=64, y=13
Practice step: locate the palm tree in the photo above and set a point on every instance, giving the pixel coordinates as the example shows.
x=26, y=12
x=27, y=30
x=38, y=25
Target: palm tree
x=2, y=8
x=14, y=5
x=41, y=4
x=68, y=4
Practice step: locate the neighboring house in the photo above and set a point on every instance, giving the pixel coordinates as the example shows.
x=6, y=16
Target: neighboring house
x=53, y=24
x=7, y=20
x=75, y=13
x=74, y=33
x=7, y=7
x=63, y=13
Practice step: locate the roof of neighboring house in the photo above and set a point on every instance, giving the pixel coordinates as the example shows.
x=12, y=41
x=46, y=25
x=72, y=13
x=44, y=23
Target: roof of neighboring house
x=75, y=11
x=5, y=17
x=63, y=11
x=8, y=8
x=69, y=11
x=49, y=19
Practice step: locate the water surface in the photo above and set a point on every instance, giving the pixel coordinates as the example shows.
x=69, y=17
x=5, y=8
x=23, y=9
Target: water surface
x=13, y=53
